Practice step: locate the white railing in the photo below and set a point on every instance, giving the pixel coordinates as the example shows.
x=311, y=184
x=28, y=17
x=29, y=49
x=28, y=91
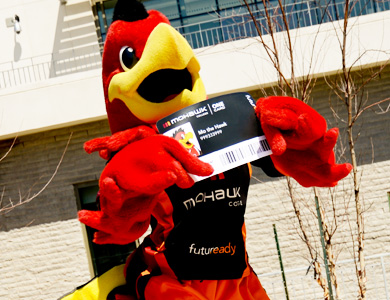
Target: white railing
x=225, y=29
x=48, y=66
x=298, y=14
x=302, y=285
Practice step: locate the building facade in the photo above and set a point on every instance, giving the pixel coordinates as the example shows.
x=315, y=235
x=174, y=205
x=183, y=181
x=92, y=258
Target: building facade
x=51, y=102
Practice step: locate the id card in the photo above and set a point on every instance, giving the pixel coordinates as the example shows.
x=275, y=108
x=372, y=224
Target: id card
x=223, y=131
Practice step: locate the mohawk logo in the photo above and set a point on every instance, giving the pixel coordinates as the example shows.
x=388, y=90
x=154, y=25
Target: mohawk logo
x=192, y=113
x=229, y=193
x=167, y=124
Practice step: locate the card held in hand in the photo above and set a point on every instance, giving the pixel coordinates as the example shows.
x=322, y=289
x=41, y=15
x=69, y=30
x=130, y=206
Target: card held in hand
x=223, y=131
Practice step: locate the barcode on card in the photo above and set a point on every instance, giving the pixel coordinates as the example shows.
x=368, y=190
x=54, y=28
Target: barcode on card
x=236, y=155
x=242, y=152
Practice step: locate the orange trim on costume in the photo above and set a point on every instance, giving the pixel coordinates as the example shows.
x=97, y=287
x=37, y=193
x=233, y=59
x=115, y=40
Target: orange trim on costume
x=247, y=270
x=161, y=248
x=163, y=287
x=156, y=259
x=250, y=169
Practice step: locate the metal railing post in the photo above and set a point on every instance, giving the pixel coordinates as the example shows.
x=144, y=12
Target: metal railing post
x=324, y=249
x=281, y=262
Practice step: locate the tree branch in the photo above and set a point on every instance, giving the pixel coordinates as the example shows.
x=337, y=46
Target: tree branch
x=12, y=205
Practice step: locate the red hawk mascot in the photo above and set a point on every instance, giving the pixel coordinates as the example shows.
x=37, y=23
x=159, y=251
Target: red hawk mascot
x=149, y=72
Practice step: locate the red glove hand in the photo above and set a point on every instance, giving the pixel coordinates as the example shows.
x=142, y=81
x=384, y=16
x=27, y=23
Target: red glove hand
x=117, y=141
x=301, y=145
x=151, y=165
x=289, y=123
x=134, y=180
x=120, y=220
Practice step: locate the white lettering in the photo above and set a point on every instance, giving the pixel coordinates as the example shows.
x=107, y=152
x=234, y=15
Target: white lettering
x=218, y=126
x=200, y=198
x=218, y=106
x=220, y=194
x=189, y=114
x=228, y=249
x=191, y=203
x=236, y=193
x=211, y=197
x=250, y=99
x=235, y=203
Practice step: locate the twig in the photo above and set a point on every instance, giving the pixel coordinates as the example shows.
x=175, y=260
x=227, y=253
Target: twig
x=11, y=205
x=9, y=150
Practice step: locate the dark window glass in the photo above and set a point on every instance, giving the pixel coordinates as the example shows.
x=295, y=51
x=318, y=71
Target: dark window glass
x=205, y=22
x=229, y=3
x=103, y=257
x=169, y=8
x=197, y=7
x=105, y=11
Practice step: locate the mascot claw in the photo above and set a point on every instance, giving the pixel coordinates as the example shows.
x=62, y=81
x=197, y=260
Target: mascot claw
x=107, y=145
x=302, y=147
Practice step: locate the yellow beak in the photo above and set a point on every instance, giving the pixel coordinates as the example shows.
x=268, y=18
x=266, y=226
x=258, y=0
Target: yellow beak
x=165, y=49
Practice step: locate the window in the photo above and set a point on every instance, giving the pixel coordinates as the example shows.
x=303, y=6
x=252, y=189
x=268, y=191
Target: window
x=103, y=257
x=179, y=12
x=204, y=22
x=103, y=12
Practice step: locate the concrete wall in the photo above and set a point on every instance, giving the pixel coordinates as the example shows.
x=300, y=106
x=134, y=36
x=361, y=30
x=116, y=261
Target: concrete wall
x=63, y=101
x=32, y=162
x=47, y=27
x=42, y=250
x=40, y=68
x=42, y=262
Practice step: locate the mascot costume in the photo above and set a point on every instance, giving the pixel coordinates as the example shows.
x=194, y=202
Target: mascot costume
x=149, y=72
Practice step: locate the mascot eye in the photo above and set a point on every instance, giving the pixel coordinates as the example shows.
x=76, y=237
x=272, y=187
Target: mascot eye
x=127, y=58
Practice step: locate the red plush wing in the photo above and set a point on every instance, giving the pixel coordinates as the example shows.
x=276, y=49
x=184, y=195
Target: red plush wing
x=289, y=123
x=301, y=145
x=117, y=141
x=133, y=182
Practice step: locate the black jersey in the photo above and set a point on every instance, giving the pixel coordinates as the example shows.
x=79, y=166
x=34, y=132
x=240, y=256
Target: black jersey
x=208, y=238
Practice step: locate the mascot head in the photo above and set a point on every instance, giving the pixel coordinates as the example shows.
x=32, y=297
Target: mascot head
x=149, y=69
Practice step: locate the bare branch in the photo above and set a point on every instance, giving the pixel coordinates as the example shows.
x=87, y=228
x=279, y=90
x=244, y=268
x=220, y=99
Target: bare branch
x=12, y=205
x=372, y=105
x=290, y=48
x=9, y=149
x=382, y=111
x=272, y=53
